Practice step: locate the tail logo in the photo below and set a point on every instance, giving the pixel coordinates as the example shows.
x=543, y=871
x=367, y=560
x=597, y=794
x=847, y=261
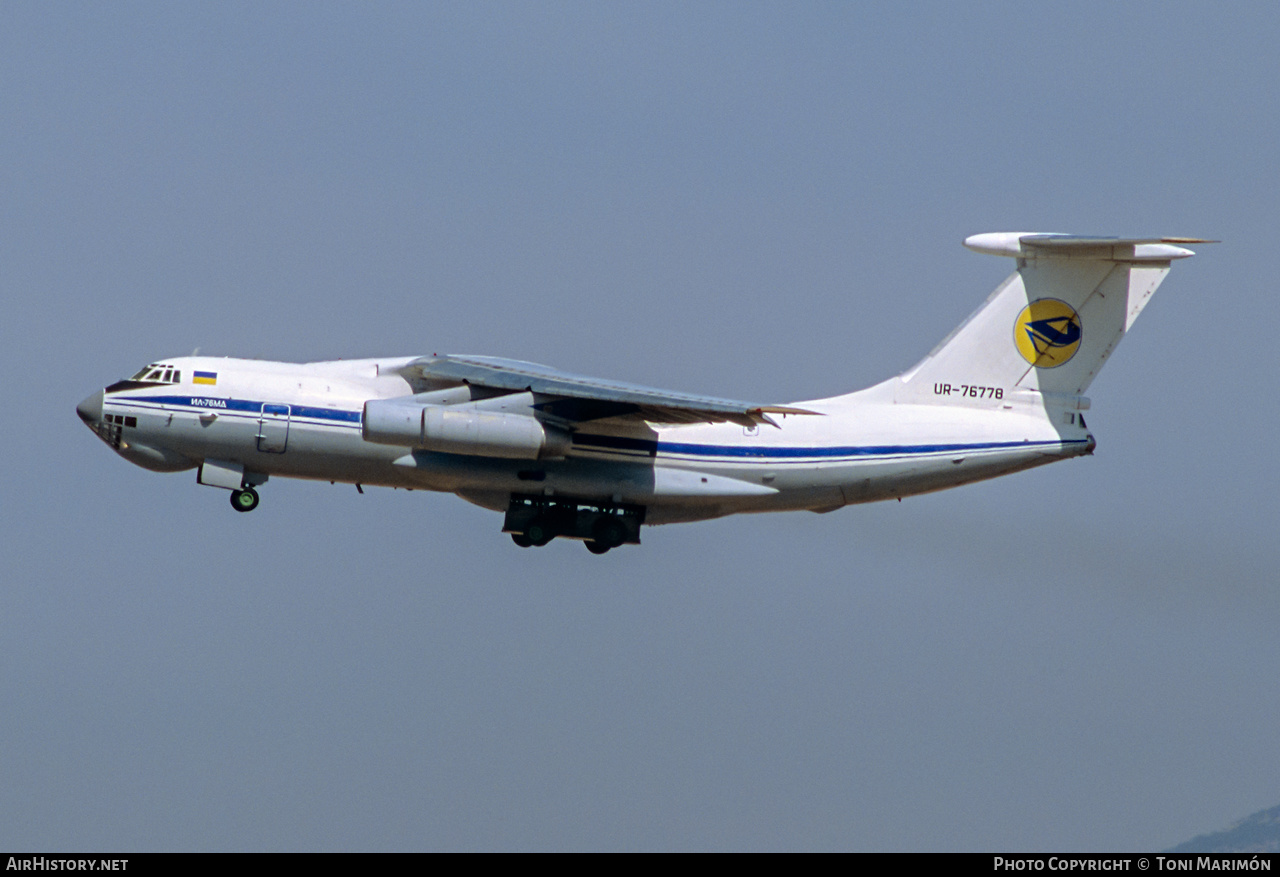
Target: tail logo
x=1047, y=333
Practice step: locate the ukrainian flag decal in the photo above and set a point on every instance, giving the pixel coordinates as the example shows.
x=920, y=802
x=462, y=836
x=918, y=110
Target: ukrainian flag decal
x=1047, y=333
x=205, y=378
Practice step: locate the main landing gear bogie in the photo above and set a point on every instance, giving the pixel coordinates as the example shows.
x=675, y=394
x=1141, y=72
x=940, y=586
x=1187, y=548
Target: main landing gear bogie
x=535, y=521
x=244, y=500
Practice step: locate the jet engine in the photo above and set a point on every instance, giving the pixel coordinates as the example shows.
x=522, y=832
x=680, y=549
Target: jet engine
x=462, y=429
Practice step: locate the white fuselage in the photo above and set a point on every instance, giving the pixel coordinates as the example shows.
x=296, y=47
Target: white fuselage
x=305, y=421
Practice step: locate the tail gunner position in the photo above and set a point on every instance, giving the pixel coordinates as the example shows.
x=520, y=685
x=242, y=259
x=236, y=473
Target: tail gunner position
x=574, y=457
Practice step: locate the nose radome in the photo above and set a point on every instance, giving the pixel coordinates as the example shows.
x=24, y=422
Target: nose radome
x=90, y=410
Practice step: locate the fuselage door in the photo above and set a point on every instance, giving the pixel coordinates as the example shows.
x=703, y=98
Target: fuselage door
x=273, y=428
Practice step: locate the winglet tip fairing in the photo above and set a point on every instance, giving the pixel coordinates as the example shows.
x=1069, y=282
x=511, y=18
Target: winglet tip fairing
x=581, y=458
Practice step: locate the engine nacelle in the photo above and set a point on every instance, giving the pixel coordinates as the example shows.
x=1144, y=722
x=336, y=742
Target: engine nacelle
x=461, y=429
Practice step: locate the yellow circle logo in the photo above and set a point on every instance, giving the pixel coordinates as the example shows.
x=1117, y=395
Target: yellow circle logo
x=1047, y=332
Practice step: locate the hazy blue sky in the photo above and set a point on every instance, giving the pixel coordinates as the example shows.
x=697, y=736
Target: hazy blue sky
x=746, y=200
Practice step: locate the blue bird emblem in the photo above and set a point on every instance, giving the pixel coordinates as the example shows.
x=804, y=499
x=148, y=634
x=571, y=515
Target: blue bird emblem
x=1047, y=333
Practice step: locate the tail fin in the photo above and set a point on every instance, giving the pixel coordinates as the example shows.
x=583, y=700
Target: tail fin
x=1049, y=328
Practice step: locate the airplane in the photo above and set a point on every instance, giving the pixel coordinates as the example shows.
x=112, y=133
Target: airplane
x=566, y=456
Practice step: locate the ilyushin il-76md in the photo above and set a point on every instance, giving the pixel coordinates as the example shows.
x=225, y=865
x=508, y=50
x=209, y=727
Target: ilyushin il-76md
x=566, y=456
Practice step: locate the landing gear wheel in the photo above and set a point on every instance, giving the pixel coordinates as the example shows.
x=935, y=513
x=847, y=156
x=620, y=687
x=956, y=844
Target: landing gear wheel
x=521, y=539
x=597, y=547
x=608, y=533
x=539, y=532
x=244, y=500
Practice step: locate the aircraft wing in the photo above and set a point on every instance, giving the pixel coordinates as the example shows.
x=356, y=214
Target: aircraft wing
x=577, y=398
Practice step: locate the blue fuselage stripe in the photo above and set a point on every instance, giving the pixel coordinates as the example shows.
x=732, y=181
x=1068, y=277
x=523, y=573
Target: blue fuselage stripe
x=652, y=448
x=218, y=403
x=622, y=444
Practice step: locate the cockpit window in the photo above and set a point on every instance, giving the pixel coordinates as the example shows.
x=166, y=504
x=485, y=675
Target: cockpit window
x=158, y=373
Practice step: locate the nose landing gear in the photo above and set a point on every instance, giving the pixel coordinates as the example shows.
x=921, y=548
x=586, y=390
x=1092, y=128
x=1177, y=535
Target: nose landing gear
x=244, y=499
x=232, y=476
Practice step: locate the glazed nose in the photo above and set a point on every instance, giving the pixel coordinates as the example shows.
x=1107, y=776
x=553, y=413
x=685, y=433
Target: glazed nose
x=90, y=410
